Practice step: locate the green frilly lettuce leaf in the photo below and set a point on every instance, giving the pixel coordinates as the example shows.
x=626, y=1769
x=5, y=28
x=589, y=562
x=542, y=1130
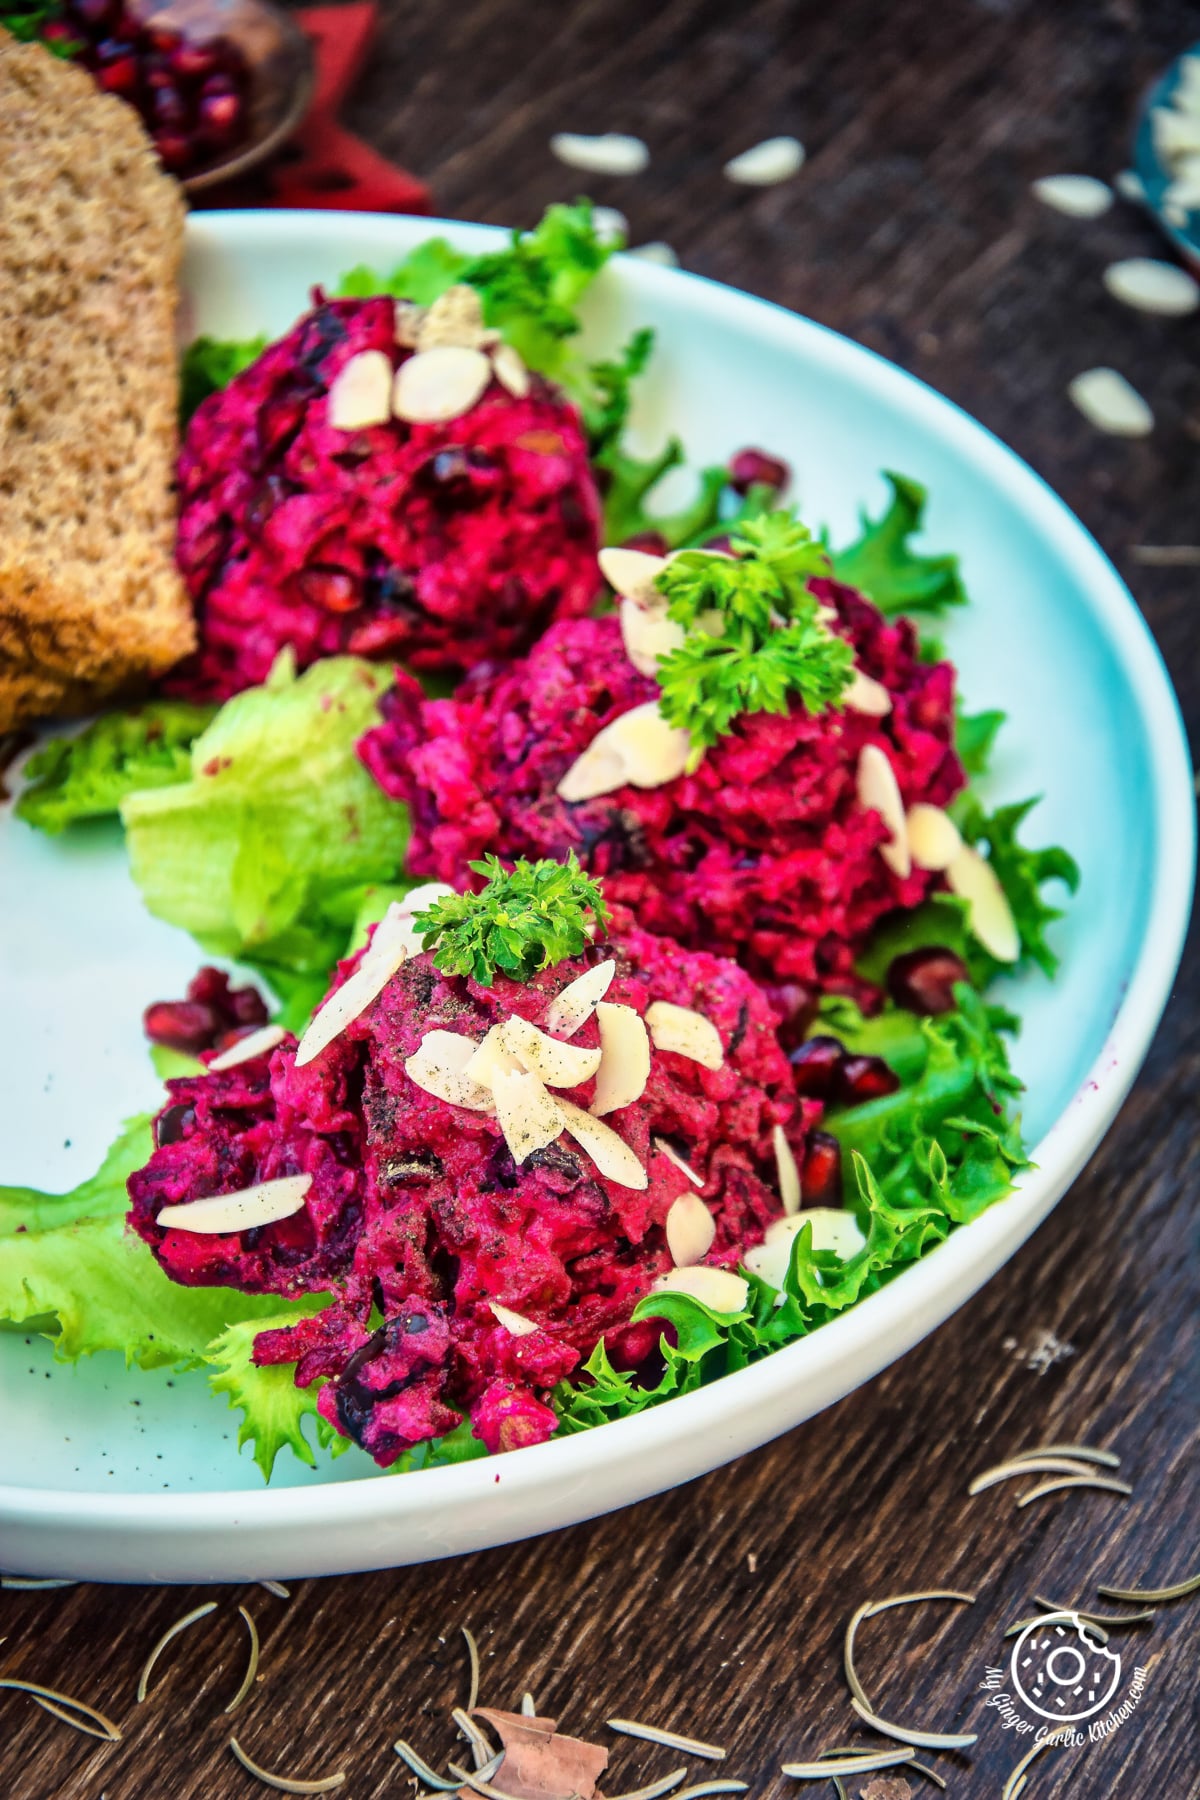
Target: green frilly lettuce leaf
x=265, y=852
x=210, y=364
x=87, y=776
x=882, y=564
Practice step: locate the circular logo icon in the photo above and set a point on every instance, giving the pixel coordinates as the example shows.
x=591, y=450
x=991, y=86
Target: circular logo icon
x=1061, y=1671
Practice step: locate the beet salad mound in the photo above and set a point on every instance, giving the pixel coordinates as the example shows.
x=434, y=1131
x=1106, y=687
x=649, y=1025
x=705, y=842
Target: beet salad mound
x=386, y=480
x=752, y=757
x=484, y=1154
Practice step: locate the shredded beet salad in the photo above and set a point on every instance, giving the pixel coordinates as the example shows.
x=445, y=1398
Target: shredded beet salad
x=763, y=853
x=441, y=543
x=419, y=1217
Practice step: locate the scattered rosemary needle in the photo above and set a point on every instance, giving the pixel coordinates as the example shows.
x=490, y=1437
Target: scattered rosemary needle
x=906, y=1734
x=1021, y=1466
x=671, y=1740
x=917, y=1768
x=1099, y=1620
x=1021, y=1625
x=286, y=1784
x=1166, y=556
x=473, y=1656
x=1016, y=1780
x=58, y=1712
x=421, y=1769
x=172, y=1631
x=1107, y=1459
x=43, y=1694
x=868, y=1609
x=476, y=1782
x=654, y=1789
x=277, y=1588
x=251, y=1665
x=34, y=1583
x=528, y=1705
x=1075, y=1481
x=712, y=1787
x=849, y=1765
x=481, y=1747
x=1154, y=1596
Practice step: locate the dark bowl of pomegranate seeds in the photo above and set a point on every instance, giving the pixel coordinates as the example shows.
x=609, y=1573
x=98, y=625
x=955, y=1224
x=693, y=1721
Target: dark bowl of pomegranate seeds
x=220, y=84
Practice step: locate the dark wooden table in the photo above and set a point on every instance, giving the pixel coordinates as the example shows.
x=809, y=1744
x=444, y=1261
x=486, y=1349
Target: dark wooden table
x=720, y=1607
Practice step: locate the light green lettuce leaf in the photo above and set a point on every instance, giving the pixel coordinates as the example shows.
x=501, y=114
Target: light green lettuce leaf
x=882, y=565
x=276, y=1414
x=87, y=776
x=254, y=852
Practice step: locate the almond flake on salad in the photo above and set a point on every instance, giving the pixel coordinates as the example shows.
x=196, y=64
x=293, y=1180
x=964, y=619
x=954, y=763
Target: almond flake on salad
x=510, y=370
x=455, y=317
x=685, y=1032
x=786, y=1169
x=719, y=1289
x=673, y=1156
x=866, y=695
x=255, y=1043
x=361, y=394
x=570, y=1010
x=879, y=791
x=615, y=1159
x=624, y=1058
x=632, y=573
x=558, y=1064
x=934, y=840
x=440, y=384
x=989, y=915
x=391, y=944
x=513, y=1322
x=264, y=1204
x=529, y=1115
x=439, y=1067
x=832, y=1229
x=639, y=748
x=690, y=1230
x=648, y=634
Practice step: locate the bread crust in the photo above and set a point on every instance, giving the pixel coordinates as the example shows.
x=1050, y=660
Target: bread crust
x=91, y=237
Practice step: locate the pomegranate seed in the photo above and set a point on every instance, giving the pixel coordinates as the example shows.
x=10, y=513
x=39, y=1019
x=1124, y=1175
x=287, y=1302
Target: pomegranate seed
x=652, y=542
x=168, y=109
x=218, y=83
x=248, y=1007
x=186, y=1025
x=93, y=15
x=754, y=468
x=193, y=61
x=162, y=39
x=815, y=1067
x=821, y=1171
x=862, y=1078
x=173, y=1122
x=220, y=116
x=797, y=1008
x=174, y=150
x=924, y=980
x=724, y=544
x=334, y=589
x=119, y=78
x=57, y=31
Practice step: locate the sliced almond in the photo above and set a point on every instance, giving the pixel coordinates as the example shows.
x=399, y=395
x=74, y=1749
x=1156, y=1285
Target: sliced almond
x=1078, y=196
x=559, y=1065
x=653, y=751
x=616, y=1160
x=673, y=1156
x=455, y=317
x=879, y=791
x=574, y=1006
x=1153, y=286
x=409, y=319
x=989, y=915
x=255, y=1043
x=439, y=1067
x=510, y=371
x=529, y=1116
x=934, y=840
x=387, y=950
x=624, y=1059
x=513, y=1322
x=440, y=384
x=787, y=1170
x=648, y=634
x=832, y=1229
x=422, y=897
x=719, y=1289
x=361, y=392
x=264, y=1204
x=866, y=695
x=1111, y=403
x=632, y=573
x=608, y=153
x=685, y=1032
x=775, y=159
x=690, y=1230
x=600, y=770
x=493, y=1057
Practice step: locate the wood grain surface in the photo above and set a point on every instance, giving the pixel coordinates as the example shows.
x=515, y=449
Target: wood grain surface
x=719, y=1608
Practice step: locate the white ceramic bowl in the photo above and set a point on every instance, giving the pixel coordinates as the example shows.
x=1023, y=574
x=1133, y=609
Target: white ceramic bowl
x=125, y=1476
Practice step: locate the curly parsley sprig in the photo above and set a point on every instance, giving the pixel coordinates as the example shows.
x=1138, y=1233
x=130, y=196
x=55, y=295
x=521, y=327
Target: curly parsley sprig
x=753, y=639
x=524, y=919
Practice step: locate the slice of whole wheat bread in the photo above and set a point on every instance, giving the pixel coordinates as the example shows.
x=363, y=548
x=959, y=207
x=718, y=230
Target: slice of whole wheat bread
x=91, y=234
